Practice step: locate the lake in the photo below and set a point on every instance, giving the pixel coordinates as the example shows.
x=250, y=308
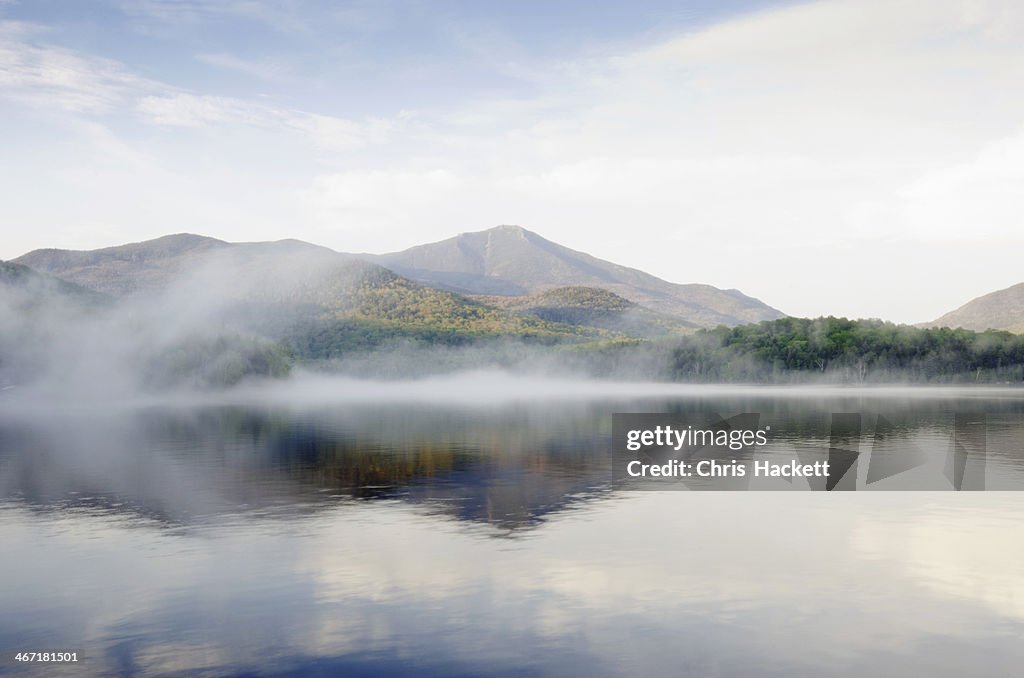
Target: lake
x=470, y=526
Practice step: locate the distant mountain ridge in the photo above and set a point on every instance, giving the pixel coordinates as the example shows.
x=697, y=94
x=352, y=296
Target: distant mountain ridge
x=512, y=261
x=149, y=265
x=999, y=310
x=505, y=261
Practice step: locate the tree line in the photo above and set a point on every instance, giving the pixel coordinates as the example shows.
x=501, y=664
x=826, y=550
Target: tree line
x=846, y=350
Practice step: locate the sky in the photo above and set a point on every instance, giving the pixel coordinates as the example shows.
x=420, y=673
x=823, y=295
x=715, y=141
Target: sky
x=861, y=158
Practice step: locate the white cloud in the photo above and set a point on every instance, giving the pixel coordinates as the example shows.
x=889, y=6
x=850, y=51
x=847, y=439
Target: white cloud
x=324, y=132
x=54, y=77
x=840, y=31
x=189, y=110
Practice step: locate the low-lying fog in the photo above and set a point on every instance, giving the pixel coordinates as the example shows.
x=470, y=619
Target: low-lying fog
x=484, y=388
x=217, y=333
x=481, y=388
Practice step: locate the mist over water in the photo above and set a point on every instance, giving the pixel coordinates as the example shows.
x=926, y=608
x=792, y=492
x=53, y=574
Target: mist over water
x=468, y=525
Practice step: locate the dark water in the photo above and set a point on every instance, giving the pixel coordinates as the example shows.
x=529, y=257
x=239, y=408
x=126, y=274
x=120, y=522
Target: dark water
x=409, y=531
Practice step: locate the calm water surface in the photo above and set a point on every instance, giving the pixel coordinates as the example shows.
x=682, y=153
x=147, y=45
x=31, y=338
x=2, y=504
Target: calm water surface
x=432, y=536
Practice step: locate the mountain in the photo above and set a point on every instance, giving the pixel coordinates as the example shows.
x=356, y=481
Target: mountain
x=324, y=303
x=1000, y=310
x=512, y=261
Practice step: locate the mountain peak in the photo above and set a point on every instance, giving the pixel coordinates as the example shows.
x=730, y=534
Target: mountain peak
x=181, y=240
x=509, y=260
x=506, y=260
x=509, y=228
x=500, y=231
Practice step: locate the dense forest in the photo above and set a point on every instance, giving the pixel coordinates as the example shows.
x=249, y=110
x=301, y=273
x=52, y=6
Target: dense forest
x=838, y=349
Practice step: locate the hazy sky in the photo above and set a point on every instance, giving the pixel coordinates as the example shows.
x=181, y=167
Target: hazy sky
x=856, y=158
